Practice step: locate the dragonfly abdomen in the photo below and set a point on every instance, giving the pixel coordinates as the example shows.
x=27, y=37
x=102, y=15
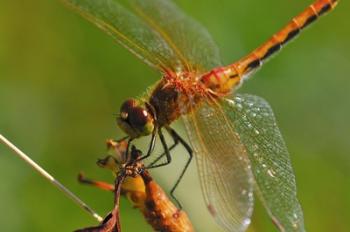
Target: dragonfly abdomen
x=221, y=80
x=225, y=79
x=256, y=58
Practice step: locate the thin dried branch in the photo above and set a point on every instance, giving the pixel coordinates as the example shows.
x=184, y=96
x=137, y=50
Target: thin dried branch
x=49, y=177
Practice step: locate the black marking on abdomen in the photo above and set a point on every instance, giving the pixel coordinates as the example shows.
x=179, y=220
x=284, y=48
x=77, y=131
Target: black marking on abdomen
x=252, y=65
x=325, y=9
x=291, y=35
x=271, y=51
x=309, y=21
x=233, y=76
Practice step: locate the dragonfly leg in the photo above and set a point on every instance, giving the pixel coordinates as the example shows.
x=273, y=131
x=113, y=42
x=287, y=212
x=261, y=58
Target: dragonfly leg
x=168, y=157
x=177, y=140
x=154, y=164
x=166, y=152
x=151, y=145
x=122, y=139
x=189, y=150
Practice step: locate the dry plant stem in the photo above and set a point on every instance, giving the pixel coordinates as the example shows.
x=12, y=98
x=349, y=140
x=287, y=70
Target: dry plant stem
x=50, y=178
x=119, y=181
x=112, y=221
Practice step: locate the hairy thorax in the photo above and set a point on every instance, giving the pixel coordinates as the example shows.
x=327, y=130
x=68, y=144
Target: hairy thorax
x=174, y=96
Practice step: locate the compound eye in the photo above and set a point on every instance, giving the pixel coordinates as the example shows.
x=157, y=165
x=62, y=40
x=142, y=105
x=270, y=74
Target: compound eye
x=135, y=119
x=127, y=107
x=138, y=117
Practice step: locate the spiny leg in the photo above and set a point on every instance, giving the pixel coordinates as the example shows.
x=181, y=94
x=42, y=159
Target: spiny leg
x=166, y=151
x=177, y=139
x=150, y=148
x=168, y=161
x=168, y=156
x=151, y=145
x=122, y=139
x=189, y=150
x=153, y=163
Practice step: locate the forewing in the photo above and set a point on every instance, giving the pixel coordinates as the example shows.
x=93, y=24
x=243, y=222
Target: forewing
x=190, y=41
x=126, y=28
x=223, y=167
x=275, y=182
x=156, y=31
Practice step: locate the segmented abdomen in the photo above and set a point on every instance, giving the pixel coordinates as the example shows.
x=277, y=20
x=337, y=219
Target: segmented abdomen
x=224, y=79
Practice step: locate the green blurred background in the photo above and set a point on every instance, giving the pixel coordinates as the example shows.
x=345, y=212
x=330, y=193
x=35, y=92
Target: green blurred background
x=62, y=80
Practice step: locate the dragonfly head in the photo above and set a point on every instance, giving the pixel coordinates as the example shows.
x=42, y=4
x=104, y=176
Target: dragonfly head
x=135, y=118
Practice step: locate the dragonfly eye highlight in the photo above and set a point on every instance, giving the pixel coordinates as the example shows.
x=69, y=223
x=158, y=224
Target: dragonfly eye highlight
x=124, y=115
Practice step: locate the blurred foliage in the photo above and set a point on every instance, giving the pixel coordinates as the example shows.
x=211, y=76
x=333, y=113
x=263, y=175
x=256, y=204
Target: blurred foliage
x=61, y=81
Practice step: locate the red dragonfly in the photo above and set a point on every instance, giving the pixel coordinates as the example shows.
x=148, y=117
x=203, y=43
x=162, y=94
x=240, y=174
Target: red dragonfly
x=234, y=138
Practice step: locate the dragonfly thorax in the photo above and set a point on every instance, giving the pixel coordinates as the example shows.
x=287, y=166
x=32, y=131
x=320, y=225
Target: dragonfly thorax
x=173, y=97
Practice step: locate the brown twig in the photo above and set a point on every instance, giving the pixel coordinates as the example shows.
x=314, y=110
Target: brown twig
x=111, y=223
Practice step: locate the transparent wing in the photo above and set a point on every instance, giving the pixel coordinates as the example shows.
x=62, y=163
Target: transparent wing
x=190, y=41
x=223, y=167
x=275, y=182
x=156, y=31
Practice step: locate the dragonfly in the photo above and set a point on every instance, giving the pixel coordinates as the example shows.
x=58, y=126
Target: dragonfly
x=237, y=145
